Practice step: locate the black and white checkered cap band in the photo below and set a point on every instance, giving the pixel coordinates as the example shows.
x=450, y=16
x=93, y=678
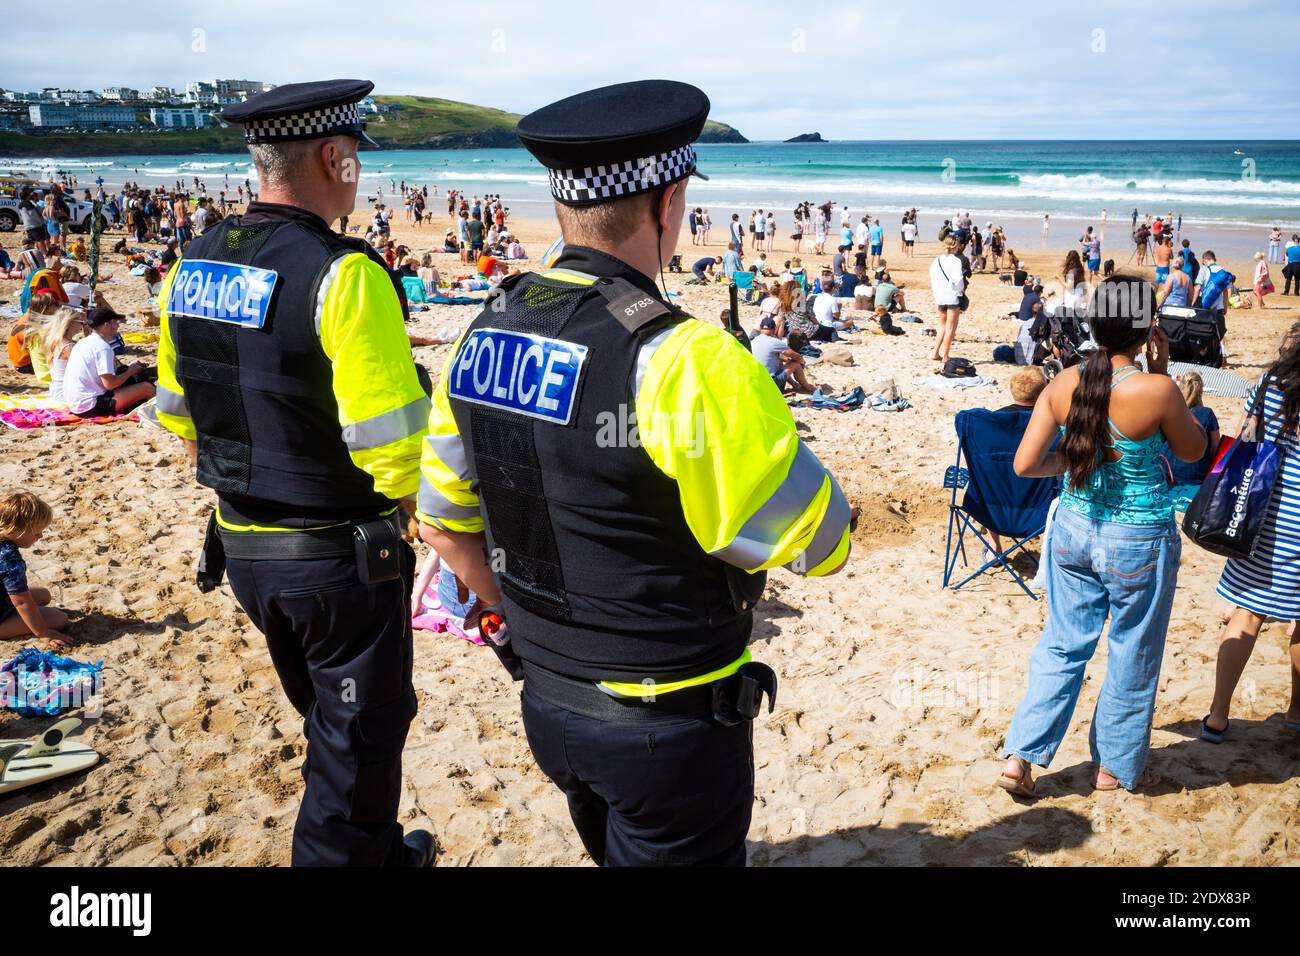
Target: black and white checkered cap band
x=598, y=183
x=331, y=120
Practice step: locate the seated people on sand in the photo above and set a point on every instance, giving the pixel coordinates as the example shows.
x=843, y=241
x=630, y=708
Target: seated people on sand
x=25, y=610
x=61, y=333
x=826, y=309
x=74, y=287
x=39, y=309
x=94, y=384
x=889, y=295
x=780, y=358
x=1026, y=385
x=849, y=283
x=8, y=268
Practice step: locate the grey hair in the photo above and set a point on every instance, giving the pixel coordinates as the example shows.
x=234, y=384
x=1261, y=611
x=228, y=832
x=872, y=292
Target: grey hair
x=282, y=162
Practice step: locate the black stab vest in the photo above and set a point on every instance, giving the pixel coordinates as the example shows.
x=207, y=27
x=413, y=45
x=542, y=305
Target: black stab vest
x=600, y=574
x=262, y=401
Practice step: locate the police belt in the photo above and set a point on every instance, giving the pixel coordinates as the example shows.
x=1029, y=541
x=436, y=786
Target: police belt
x=337, y=542
x=375, y=546
x=728, y=700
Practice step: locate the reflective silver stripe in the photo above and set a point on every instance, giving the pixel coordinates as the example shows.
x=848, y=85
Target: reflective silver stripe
x=172, y=403
x=323, y=289
x=829, y=532
x=646, y=353
x=757, y=538
x=450, y=450
x=381, y=430
x=431, y=502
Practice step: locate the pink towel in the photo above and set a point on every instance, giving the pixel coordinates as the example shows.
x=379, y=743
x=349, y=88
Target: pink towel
x=26, y=418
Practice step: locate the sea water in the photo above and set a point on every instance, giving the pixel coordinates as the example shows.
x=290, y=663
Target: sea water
x=1234, y=190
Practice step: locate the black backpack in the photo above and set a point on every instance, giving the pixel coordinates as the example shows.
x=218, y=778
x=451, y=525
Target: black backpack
x=959, y=368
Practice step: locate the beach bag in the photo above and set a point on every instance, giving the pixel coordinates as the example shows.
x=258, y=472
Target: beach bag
x=959, y=368
x=1229, y=510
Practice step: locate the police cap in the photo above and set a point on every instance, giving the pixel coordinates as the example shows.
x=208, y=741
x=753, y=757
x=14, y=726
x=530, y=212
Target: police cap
x=304, y=111
x=617, y=140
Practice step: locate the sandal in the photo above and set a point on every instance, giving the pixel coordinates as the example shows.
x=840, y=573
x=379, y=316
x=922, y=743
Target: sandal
x=1149, y=778
x=1021, y=786
x=1211, y=735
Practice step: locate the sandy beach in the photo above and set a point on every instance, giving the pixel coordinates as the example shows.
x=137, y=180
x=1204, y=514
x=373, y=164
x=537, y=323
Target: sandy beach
x=894, y=695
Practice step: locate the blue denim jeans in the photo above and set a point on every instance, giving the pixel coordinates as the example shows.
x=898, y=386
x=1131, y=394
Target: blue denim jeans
x=1098, y=569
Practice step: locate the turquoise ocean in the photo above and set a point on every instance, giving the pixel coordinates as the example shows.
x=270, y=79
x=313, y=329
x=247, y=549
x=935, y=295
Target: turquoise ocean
x=1234, y=190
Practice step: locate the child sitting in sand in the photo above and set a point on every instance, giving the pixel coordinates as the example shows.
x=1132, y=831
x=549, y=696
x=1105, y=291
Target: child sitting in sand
x=440, y=601
x=25, y=610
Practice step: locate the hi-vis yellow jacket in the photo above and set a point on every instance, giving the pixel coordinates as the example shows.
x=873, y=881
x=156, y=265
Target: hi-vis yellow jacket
x=755, y=496
x=382, y=409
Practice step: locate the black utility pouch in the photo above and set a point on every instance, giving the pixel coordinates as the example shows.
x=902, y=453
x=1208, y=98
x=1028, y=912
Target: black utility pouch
x=212, y=559
x=740, y=696
x=379, y=557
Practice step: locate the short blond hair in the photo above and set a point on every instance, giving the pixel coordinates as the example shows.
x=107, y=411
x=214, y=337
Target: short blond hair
x=1192, y=387
x=1027, y=384
x=21, y=512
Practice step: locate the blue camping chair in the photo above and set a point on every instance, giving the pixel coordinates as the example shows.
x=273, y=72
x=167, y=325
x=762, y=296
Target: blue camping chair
x=744, y=280
x=995, y=496
x=414, y=287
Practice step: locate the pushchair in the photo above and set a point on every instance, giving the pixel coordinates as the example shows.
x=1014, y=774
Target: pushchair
x=1066, y=341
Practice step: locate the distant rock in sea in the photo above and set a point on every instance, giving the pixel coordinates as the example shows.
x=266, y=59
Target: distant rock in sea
x=807, y=138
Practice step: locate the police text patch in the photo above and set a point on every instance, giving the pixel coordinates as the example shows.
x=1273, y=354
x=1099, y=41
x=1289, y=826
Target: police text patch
x=203, y=289
x=527, y=374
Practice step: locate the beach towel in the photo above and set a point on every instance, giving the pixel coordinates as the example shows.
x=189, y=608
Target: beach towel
x=139, y=338
x=455, y=300
x=41, y=684
x=973, y=381
x=1216, y=381
x=36, y=411
x=840, y=403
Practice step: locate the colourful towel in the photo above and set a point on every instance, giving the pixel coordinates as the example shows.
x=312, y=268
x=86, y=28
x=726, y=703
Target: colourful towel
x=840, y=403
x=38, y=683
x=36, y=411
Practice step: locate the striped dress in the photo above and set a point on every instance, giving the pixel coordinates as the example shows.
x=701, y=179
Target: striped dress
x=1268, y=582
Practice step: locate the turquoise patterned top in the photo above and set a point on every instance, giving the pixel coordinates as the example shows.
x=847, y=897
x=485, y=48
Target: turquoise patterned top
x=1132, y=490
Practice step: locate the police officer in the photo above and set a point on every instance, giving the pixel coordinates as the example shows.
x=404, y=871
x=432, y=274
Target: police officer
x=284, y=364
x=619, y=476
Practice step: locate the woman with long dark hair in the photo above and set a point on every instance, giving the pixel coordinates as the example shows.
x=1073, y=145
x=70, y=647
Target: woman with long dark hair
x=1113, y=548
x=1267, y=584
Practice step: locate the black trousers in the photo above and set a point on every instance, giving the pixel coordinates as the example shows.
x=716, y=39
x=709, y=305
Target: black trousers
x=343, y=652
x=671, y=792
x=1291, y=273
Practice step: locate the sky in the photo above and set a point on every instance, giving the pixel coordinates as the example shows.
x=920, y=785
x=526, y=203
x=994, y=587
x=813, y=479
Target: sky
x=988, y=69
